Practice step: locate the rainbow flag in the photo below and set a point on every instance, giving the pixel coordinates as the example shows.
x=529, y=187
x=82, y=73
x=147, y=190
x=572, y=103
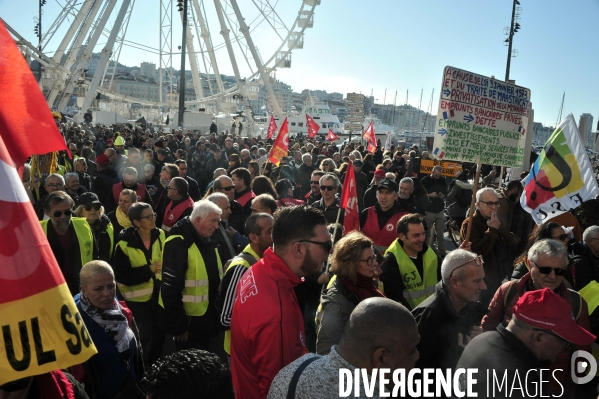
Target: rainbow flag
x=561, y=178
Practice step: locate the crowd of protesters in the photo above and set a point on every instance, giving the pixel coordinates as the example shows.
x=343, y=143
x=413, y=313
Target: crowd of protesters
x=201, y=269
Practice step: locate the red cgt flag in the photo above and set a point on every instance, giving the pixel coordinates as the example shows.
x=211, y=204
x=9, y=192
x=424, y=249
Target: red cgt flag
x=42, y=328
x=272, y=128
x=349, y=201
x=370, y=138
x=280, y=147
x=312, y=126
x=331, y=136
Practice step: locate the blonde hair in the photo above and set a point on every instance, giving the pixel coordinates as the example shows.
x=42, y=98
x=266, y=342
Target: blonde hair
x=132, y=194
x=346, y=255
x=92, y=269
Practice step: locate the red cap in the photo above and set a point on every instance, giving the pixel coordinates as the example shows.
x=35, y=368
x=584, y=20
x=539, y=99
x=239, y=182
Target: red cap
x=109, y=141
x=549, y=311
x=379, y=174
x=102, y=160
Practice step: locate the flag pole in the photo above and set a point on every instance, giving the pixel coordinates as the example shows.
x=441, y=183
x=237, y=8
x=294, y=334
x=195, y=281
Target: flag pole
x=334, y=235
x=473, y=201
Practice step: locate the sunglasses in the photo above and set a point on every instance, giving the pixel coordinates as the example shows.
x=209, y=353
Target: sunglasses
x=93, y=206
x=58, y=214
x=561, y=237
x=548, y=269
x=314, y=182
x=327, y=188
x=326, y=245
x=478, y=260
x=229, y=188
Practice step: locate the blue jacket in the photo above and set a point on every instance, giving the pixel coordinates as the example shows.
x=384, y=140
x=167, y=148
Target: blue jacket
x=109, y=367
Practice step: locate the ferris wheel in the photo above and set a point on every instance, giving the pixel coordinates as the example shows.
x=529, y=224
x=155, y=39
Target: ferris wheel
x=251, y=39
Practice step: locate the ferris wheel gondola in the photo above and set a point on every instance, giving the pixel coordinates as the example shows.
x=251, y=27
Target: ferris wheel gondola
x=246, y=30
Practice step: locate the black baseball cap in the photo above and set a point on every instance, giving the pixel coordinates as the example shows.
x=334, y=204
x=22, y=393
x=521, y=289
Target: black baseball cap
x=87, y=199
x=388, y=184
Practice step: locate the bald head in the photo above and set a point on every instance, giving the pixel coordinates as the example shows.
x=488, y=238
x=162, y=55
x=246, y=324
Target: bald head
x=380, y=333
x=224, y=184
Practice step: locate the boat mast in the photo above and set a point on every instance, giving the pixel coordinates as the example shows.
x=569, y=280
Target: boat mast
x=428, y=111
x=393, y=114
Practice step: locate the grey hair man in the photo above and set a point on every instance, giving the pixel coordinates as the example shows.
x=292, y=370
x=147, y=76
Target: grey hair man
x=329, y=203
x=192, y=271
x=392, y=337
x=586, y=261
x=490, y=240
x=54, y=182
x=450, y=318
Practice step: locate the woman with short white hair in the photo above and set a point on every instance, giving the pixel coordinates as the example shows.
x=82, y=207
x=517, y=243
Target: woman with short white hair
x=113, y=371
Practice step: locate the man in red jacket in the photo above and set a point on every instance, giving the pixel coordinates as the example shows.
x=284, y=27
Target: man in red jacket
x=267, y=326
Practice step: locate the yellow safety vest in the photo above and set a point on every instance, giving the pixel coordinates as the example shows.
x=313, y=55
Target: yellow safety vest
x=195, y=293
x=237, y=261
x=141, y=292
x=110, y=231
x=84, y=235
x=416, y=289
x=590, y=293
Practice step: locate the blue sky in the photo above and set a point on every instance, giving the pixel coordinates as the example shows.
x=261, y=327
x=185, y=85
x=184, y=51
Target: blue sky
x=401, y=46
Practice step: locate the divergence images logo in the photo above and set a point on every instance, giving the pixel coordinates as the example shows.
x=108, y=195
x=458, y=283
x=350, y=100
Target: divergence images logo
x=579, y=362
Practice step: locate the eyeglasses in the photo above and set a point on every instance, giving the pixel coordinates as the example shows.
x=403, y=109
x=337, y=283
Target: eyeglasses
x=170, y=188
x=150, y=216
x=228, y=188
x=58, y=214
x=491, y=204
x=370, y=261
x=55, y=185
x=94, y=206
x=327, y=188
x=559, y=272
x=478, y=260
x=313, y=183
x=568, y=344
x=561, y=237
x=131, y=182
x=326, y=244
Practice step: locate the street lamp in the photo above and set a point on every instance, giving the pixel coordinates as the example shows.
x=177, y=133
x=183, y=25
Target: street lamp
x=38, y=32
x=510, y=31
x=182, y=6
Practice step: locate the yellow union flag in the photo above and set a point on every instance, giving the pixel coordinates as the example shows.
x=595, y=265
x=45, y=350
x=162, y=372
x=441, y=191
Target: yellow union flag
x=41, y=329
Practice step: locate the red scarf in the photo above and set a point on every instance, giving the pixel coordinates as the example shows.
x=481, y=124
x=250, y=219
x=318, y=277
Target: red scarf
x=364, y=288
x=54, y=385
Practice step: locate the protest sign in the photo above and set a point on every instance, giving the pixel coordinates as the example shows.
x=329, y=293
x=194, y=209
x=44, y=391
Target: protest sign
x=481, y=119
x=448, y=168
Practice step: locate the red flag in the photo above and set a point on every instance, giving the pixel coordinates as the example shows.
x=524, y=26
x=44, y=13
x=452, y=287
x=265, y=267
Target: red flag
x=26, y=121
x=280, y=147
x=331, y=136
x=35, y=301
x=370, y=138
x=312, y=126
x=349, y=201
x=272, y=128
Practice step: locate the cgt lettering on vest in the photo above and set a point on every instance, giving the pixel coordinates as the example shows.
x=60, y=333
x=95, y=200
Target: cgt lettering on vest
x=27, y=345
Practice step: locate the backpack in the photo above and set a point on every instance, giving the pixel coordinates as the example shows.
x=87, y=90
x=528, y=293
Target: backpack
x=464, y=197
x=576, y=299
